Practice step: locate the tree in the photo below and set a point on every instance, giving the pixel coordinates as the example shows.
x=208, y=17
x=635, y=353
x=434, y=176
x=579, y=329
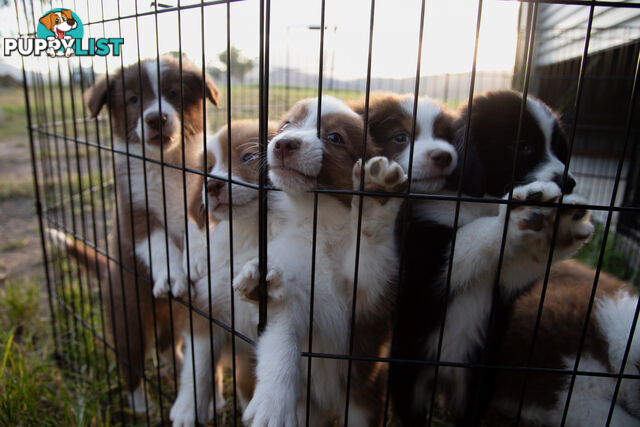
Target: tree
x=240, y=65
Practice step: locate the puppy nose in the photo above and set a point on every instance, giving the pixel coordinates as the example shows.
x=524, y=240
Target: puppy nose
x=214, y=186
x=71, y=22
x=286, y=147
x=440, y=158
x=155, y=120
x=568, y=185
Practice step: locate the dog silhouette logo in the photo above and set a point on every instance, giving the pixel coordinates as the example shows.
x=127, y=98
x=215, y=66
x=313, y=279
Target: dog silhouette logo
x=63, y=25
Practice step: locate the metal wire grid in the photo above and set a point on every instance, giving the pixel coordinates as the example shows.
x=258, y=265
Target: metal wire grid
x=58, y=144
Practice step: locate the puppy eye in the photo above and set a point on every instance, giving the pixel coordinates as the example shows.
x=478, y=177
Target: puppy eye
x=57, y=21
x=401, y=138
x=132, y=100
x=173, y=93
x=527, y=150
x=334, y=138
x=248, y=157
x=285, y=125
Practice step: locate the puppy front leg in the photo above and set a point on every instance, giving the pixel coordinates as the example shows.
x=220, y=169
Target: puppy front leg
x=197, y=264
x=161, y=267
x=278, y=369
x=187, y=406
x=531, y=229
x=378, y=258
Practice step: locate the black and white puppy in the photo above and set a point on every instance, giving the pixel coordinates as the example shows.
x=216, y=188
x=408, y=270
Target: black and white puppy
x=301, y=159
x=559, y=332
x=425, y=298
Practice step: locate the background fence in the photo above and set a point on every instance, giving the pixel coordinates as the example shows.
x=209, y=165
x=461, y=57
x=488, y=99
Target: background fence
x=588, y=84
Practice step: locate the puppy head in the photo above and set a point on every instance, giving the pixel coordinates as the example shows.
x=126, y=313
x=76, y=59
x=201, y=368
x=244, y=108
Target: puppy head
x=138, y=109
x=300, y=159
x=243, y=139
x=390, y=123
x=59, y=22
x=491, y=152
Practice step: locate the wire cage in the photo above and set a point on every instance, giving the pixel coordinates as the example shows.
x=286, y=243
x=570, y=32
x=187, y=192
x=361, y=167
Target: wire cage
x=580, y=57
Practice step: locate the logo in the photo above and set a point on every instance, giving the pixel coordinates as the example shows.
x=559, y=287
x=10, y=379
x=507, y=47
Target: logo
x=60, y=33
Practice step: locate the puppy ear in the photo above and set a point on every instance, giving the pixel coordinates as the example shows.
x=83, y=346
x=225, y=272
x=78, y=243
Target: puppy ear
x=96, y=96
x=474, y=181
x=196, y=210
x=212, y=91
x=46, y=20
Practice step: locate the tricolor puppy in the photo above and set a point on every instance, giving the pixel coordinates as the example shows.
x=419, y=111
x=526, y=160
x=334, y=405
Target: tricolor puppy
x=59, y=22
x=562, y=321
x=151, y=115
x=240, y=143
x=391, y=124
x=469, y=334
x=305, y=155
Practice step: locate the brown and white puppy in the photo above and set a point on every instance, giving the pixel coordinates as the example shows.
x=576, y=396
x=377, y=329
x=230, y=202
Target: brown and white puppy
x=150, y=117
x=562, y=321
x=307, y=155
x=241, y=145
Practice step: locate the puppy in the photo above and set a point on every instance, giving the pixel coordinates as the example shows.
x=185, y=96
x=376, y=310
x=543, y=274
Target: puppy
x=425, y=299
x=145, y=115
x=242, y=144
x=302, y=157
x=561, y=326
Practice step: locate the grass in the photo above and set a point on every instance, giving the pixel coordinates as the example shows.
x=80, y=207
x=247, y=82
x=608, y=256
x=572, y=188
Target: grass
x=613, y=261
x=12, y=188
x=11, y=246
x=14, y=123
x=33, y=388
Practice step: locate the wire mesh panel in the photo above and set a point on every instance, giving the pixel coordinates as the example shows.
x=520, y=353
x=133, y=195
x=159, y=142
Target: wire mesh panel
x=163, y=192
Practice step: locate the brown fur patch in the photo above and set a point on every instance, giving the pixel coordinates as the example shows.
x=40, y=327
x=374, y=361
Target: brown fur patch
x=561, y=325
x=338, y=160
x=119, y=89
x=386, y=120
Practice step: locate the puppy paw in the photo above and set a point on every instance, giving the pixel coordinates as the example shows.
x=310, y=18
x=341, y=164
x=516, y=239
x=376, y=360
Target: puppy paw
x=246, y=283
x=380, y=174
x=575, y=227
x=534, y=218
x=161, y=286
x=270, y=408
x=177, y=285
x=183, y=412
x=137, y=401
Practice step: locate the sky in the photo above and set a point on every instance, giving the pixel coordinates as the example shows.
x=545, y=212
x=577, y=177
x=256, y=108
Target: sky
x=449, y=34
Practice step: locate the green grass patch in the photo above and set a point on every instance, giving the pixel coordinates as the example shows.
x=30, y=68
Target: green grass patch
x=14, y=189
x=614, y=261
x=34, y=389
x=11, y=246
x=14, y=121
